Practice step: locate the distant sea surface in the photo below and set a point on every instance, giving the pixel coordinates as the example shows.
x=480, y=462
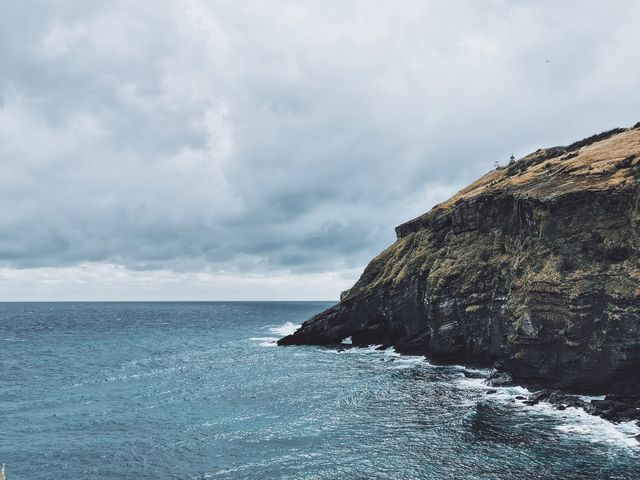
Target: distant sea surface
x=200, y=391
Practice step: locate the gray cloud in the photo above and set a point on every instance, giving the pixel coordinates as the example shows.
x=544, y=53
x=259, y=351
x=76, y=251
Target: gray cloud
x=261, y=137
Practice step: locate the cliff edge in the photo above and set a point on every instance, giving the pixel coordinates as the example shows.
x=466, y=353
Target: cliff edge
x=535, y=267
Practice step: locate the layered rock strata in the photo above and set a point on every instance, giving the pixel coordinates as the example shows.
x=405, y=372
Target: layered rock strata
x=535, y=268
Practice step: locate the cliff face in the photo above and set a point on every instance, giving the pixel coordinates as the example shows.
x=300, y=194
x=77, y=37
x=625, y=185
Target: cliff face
x=535, y=266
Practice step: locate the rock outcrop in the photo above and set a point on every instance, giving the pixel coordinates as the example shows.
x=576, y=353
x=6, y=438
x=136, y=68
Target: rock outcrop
x=535, y=268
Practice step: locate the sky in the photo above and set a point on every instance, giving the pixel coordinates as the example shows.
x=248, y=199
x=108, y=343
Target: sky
x=265, y=150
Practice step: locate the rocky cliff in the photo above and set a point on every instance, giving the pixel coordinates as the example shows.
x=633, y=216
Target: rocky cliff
x=535, y=268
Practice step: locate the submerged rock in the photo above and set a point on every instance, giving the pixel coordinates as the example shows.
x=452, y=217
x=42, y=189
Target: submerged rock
x=499, y=379
x=535, y=265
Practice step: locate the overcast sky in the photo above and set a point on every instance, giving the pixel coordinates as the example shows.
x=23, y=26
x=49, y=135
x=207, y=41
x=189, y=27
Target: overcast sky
x=266, y=149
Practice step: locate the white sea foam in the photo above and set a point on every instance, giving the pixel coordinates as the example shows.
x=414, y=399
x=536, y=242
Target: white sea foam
x=286, y=329
x=471, y=383
x=375, y=349
x=574, y=421
x=281, y=331
x=396, y=360
x=408, y=362
x=401, y=361
x=588, y=398
x=265, y=341
x=596, y=429
x=479, y=371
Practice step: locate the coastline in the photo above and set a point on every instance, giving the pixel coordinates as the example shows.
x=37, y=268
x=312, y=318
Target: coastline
x=615, y=409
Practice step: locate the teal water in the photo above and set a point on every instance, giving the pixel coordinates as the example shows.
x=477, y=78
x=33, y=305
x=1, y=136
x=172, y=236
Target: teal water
x=200, y=391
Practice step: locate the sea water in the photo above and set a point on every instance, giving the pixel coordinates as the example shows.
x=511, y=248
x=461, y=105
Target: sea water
x=201, y=391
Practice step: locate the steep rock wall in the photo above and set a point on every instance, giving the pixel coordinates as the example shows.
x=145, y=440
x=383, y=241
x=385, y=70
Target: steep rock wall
x=535, y=266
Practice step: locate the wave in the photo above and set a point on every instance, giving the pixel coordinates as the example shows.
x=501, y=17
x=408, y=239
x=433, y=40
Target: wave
x=394, y=359
x=572, y=420
x=286, y=329
x=265, y=341
x=598, y=429
x=281, y=331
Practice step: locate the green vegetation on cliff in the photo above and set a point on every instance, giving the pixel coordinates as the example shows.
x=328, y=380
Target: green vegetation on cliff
x=536, y=264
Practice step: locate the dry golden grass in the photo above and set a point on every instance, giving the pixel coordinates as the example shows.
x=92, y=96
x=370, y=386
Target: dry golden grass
x=595, y=167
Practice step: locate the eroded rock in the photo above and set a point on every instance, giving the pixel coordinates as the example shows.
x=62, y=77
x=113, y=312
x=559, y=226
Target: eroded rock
x=535, y=265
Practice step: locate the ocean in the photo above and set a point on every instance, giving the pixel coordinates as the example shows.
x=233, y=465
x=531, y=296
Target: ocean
x=200, y=391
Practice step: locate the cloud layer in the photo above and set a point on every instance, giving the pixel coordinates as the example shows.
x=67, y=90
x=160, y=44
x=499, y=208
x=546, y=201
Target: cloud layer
x=276, y=140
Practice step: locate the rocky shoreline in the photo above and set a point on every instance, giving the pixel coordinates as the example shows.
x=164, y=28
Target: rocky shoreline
x=615, y=408
x=534, y=269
